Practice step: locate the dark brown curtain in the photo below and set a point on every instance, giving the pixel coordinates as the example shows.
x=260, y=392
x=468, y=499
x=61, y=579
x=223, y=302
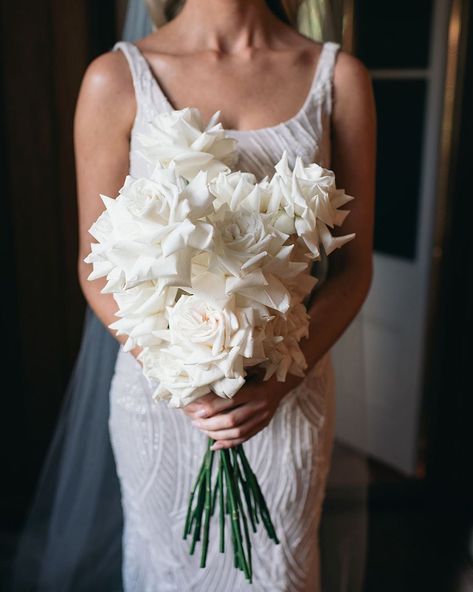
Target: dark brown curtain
x=45, y=49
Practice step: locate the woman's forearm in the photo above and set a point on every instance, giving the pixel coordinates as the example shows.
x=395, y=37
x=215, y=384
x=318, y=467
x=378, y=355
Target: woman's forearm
x=336, y=304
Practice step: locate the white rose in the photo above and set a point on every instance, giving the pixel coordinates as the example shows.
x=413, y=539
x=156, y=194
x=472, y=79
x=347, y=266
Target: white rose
x=150, y=231
x=142, y=311
x=243, y=240
x=208, y=345
x=305, y=201
x=249, y=251
x=236, y=190
x=251, y=254
x=281, y=344
x=300, y=283
x=180, y=138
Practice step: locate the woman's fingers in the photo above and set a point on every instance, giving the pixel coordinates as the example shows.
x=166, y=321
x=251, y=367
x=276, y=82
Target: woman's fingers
x=233, y=421
x=227, y=444
x=227, y=419
x=240, y=430
x=238, y=423
x=207, y=406
x=231, y=442
x=211, y=404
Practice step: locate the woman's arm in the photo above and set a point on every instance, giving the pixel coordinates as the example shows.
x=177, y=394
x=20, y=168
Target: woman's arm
x=341, y=295
x=353, y=161
x=104, y=117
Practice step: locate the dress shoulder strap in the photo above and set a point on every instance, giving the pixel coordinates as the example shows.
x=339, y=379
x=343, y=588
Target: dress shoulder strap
x=325, y=72
x=143, y=81
x=326, y=66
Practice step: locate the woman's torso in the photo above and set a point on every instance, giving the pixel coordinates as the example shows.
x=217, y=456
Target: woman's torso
x=306, y=134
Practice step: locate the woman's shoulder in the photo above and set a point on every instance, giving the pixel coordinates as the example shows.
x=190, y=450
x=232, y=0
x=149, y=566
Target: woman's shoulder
x=349, y=68
x=351, y=80
x=107, y=86
x=107, y=94
x=347, y=65
x=353, y=93
x=109, y=75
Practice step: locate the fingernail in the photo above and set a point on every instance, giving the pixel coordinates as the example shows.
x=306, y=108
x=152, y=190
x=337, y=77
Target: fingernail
x=216, y=446
x=201, y=413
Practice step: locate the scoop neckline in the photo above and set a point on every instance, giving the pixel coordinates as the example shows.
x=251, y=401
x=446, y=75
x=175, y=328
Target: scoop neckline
x=313, y=85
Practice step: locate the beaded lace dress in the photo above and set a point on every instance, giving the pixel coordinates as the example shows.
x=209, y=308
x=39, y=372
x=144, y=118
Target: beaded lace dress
x=158, y=451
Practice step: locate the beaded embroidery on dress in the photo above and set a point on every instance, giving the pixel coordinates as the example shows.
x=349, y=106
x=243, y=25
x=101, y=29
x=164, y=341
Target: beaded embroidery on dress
x=158, y=451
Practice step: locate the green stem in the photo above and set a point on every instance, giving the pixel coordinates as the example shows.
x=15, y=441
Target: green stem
x=208, y=502
x=246, y=490
x=243, y=515
x=188, y=523
x=235, y=480
x=197, y=516
x=235, y=517
x=252, y=496
x=215, y=493
x=251, y=478
x=222, y=504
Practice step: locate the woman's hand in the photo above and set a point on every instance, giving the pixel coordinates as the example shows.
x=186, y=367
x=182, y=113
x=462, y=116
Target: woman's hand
x=232, y=421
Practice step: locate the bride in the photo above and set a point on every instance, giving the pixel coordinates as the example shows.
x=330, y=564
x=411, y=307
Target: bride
x=276, y=90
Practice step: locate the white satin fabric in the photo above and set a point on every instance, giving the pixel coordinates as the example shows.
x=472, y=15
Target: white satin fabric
x=158, y=451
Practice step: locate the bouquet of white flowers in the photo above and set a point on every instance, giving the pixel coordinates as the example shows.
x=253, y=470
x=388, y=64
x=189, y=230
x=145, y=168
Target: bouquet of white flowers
x=208, y=268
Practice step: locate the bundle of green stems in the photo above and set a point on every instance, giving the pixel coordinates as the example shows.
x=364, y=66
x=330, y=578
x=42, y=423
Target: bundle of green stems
x=241, y=503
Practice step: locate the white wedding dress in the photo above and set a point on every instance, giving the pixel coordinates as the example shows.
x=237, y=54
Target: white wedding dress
x=158, y=451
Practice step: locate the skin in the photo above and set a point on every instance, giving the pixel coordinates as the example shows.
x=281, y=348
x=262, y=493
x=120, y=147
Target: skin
x=231, y=55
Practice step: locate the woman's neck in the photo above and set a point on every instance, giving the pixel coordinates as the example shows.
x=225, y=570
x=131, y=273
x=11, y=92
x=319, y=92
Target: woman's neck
x=227, y=26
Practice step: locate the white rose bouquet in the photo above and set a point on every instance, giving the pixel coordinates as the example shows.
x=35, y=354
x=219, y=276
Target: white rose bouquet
x=209, y=269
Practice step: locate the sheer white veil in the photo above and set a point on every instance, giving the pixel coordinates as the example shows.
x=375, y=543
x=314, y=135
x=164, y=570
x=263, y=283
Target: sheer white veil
x=72, y=537
x=71, y=541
